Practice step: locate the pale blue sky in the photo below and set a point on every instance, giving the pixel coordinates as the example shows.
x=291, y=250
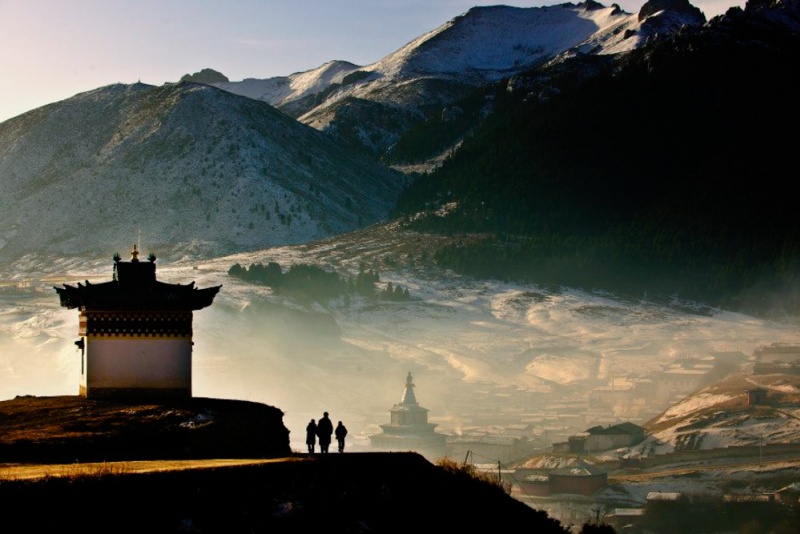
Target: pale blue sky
x=51, y=50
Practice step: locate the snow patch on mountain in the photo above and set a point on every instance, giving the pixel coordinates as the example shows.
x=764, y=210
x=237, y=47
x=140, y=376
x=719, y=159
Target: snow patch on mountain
x=479, y=46
x=282, y=90
x=487, y=43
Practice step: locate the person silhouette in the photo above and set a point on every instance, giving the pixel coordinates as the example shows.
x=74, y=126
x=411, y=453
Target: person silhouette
x=341, y=432
x=311, y=436
x=324, y=432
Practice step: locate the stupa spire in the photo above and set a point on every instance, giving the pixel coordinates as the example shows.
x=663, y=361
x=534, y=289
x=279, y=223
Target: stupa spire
x=408, y=393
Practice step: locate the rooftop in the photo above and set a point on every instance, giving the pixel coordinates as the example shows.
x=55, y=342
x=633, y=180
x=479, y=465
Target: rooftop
x=134, y=287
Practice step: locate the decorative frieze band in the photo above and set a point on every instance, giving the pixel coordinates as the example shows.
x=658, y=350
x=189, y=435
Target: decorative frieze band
x=160, y=324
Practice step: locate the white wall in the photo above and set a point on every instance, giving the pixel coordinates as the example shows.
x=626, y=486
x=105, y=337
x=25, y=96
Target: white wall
x=131, y=362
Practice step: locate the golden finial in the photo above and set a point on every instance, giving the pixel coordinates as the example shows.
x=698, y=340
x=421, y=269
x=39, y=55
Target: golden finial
x=135, y=254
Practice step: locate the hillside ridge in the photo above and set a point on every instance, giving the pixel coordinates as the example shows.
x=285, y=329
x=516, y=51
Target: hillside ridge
x=67, y=429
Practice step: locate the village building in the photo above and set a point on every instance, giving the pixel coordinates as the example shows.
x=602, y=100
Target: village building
x=409, y=429
x=613, y=437
x=599, y=438
x=626, y=519
x=135, y=331
x=581, y=478
x=674, y=384
x=578, y=477
x=756, y=396
x=777, y=352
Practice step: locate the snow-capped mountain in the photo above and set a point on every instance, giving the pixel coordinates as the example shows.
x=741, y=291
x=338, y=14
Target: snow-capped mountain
x=187, y=164
x=478, y=47
x=184, y=165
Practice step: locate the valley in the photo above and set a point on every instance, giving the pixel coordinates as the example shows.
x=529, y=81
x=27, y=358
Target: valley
x=487, y=356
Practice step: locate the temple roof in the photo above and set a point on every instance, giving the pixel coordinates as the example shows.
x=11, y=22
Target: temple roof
x=134, y=287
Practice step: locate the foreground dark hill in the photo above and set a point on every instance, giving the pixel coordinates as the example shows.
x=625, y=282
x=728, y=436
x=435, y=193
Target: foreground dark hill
x=351, y=492
x=358, y=492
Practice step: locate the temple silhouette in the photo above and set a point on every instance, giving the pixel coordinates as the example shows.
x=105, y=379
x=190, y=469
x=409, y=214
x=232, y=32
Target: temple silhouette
x=409, y=429
x=135, y=331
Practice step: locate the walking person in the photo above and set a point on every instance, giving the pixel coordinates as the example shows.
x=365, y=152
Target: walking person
x=311, y=436
x=324, y=432
x=341, y=432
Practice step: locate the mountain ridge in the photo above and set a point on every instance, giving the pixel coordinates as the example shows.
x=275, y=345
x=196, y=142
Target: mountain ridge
x=183, y=163
x=455, y=59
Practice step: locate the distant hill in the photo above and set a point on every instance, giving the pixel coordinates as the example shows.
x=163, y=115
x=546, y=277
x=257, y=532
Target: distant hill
x=719, y=416
x=188, y=167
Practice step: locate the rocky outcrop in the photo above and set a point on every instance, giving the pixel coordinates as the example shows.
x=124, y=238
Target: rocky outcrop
x=207, y=76
x=675, y=6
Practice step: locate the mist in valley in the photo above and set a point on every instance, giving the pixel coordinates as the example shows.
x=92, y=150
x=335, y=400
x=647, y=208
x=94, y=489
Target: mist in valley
x=484, y=355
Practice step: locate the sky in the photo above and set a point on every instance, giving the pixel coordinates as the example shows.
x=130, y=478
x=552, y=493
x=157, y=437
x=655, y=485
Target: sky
x=51, y=50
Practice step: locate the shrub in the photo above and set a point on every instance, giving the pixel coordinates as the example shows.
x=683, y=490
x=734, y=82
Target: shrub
x=468, y=470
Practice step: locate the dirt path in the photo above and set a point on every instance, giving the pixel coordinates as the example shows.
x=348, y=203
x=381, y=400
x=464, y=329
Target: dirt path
x=34, y=471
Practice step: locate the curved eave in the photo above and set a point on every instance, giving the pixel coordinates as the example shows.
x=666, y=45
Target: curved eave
x=110, y=296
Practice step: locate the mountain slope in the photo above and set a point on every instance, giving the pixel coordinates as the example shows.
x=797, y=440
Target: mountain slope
x=719, y=416
x=480, y=46
x=187, y=165
x=662, y=171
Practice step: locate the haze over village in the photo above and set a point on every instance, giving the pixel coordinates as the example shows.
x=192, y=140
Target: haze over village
x=515, y=358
